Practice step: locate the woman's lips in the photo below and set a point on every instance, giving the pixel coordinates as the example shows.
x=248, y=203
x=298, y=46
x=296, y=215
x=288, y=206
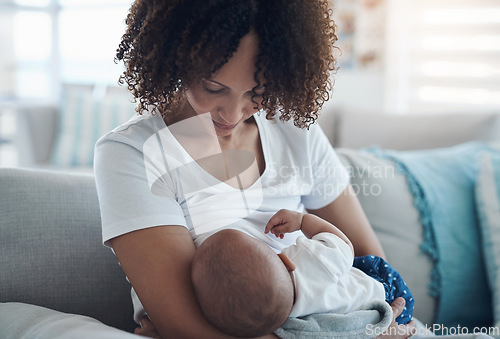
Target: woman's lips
x=223, y=126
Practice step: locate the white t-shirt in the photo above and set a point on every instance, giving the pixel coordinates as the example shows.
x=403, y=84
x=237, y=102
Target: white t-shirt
x=325, y=280
x=145, y=178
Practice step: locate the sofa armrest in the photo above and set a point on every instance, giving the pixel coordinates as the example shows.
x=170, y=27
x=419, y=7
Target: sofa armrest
x=51, y=252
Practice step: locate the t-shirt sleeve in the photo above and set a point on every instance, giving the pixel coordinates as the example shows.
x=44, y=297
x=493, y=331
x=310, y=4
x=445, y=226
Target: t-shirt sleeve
x=333, y=251
x=329, y=174
x=128, y=199
x=325, y=251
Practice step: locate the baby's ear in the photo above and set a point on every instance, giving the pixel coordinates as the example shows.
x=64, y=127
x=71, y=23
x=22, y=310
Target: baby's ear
x=287, y=262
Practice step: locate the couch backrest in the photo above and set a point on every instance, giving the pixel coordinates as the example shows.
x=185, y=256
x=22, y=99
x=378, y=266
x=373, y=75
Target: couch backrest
x=50, y=247
x=357, y=129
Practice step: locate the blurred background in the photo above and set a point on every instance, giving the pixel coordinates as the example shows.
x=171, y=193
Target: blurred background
x=400, y=57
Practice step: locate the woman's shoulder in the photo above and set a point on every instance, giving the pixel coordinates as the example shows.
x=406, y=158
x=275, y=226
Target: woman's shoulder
x=135, y=132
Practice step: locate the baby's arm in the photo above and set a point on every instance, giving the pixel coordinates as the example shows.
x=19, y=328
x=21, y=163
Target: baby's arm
x=286, y=221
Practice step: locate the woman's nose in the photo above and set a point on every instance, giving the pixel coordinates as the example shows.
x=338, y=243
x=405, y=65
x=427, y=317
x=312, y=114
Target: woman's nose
x=232, y=114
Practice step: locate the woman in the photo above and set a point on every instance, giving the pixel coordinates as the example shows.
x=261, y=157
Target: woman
x=201, y=158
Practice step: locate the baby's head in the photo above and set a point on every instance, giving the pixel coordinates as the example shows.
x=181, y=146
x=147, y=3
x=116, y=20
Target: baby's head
x=242, y=286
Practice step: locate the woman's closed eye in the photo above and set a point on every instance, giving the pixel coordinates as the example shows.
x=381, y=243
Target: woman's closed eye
x=212, y=89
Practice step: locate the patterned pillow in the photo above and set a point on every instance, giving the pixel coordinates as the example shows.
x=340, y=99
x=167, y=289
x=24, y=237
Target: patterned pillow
x=82, y=120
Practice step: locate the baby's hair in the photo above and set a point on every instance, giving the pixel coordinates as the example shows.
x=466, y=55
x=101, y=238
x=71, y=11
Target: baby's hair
x=171, y=43
x=241, y=285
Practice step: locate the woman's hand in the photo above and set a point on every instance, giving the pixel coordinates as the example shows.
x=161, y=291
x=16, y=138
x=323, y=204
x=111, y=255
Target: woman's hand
x=147, y=329
x=395, y=331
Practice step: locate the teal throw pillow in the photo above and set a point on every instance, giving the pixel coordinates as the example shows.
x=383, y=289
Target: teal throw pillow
x=442, y=182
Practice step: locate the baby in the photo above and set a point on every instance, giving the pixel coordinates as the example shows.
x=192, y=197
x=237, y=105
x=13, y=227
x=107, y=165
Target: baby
x=246, y=290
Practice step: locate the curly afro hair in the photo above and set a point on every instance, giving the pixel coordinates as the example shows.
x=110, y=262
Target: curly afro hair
x=169, y=44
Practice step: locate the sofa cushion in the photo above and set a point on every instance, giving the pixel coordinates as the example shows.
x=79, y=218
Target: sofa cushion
x=50, y=247
x=388, y=204
x=26, y=321
x=488, y=204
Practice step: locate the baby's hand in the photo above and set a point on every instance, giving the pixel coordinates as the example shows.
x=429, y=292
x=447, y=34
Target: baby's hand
x=284, y=221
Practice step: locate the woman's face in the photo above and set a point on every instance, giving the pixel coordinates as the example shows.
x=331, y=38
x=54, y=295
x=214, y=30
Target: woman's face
x=227, y=94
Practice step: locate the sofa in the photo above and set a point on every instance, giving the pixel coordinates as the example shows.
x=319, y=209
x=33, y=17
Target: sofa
x=59, y=281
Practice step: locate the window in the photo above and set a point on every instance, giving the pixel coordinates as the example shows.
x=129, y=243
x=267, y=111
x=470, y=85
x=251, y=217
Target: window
x=445, y=56
x=25, y=49
x=89, y=34
x=44, y=43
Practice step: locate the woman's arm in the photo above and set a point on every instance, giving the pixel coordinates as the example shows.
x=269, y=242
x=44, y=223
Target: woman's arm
x=157, y=262
x=346, y=213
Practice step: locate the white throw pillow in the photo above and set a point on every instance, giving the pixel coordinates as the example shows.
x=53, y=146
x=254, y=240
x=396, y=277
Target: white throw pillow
x=383, y=193
x=488, y=206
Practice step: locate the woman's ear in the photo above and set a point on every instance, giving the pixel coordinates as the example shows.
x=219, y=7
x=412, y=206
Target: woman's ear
x=287, y=262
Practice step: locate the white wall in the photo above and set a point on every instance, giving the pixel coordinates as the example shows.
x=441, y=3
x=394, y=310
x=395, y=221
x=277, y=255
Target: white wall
x=359, y=90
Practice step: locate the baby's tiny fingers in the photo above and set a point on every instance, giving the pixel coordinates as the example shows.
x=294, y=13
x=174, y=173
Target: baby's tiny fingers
x=269, y=227
x=281, y=229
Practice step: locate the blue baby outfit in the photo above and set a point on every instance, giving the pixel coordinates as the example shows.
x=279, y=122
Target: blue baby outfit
x=394, y=284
